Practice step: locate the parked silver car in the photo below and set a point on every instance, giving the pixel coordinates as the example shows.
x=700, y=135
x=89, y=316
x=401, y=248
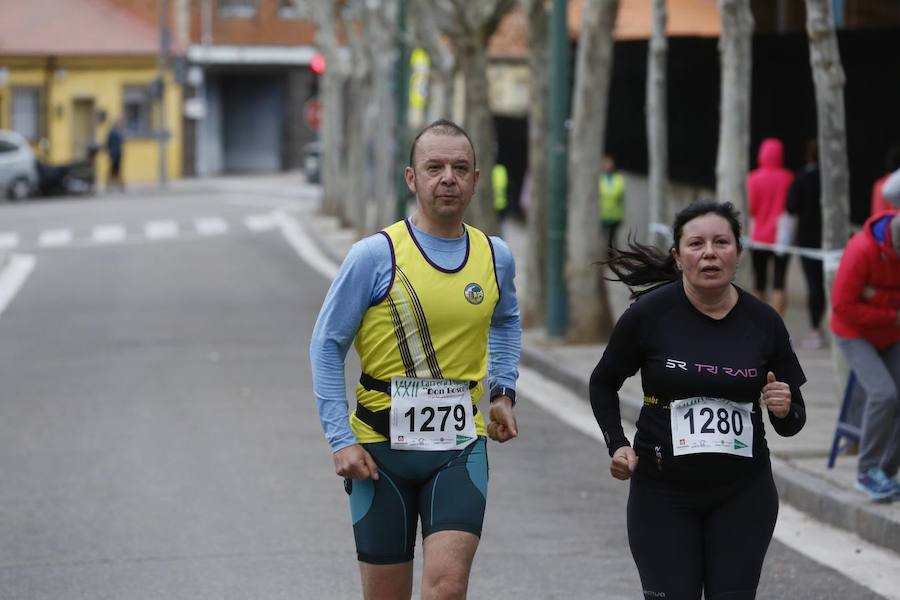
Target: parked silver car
x=18, y=170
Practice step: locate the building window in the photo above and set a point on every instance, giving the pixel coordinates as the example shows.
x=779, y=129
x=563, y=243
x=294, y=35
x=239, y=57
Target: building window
x=137, y=110
x=293, y=9
x=26, y=112
x=238, y=9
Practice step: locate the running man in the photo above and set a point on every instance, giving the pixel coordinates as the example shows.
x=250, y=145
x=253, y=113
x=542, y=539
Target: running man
x=431, y=305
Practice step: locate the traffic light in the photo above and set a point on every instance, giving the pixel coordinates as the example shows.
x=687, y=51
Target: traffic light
x=317, y=64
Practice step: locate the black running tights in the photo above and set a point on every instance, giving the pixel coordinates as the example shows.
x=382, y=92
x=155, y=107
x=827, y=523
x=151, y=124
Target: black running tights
x=707, y=539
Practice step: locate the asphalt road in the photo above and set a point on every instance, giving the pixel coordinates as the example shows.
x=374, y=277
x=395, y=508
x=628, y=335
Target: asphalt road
x=159, y=440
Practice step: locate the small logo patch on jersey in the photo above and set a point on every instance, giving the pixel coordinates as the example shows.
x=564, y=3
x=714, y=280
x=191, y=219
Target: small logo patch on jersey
x=474, y=293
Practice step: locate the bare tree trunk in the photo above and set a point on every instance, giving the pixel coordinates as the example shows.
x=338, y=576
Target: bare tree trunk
x=828, y=76
x=658, y=124
x=533, y=300
x=379, y=32
x=469, y=26
x=735, y=49
x=589, y=312
x=479, y=123
x=360, y=94
x=443, y=64
x=332, y=108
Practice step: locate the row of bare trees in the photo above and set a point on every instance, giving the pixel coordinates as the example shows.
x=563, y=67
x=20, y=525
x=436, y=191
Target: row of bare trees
x=359, y=136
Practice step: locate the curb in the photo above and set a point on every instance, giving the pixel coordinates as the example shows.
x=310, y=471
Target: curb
x=833, y=505
x=821, y=499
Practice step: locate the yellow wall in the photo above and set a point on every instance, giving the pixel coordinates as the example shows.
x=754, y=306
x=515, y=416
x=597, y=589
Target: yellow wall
x=102, y=80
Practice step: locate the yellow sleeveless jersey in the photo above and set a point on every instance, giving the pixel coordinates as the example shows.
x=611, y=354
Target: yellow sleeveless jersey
x=432, y=323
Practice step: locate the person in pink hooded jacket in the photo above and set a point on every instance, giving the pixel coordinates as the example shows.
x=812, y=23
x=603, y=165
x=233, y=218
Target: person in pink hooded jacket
x=865, y=320
x=767, y=188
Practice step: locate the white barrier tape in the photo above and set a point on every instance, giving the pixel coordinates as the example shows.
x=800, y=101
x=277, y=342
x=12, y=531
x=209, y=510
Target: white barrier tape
x=831, y=258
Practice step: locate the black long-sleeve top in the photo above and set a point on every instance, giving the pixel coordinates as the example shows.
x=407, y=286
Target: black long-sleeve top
x=683, y=353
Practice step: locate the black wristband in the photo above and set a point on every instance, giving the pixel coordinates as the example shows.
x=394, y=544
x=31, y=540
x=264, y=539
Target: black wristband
x=502, y=390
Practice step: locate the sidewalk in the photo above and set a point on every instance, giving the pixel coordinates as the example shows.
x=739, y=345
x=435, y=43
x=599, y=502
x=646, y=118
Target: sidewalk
x=799, y=463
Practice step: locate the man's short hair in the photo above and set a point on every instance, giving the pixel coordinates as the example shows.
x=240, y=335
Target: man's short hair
x=440, y=127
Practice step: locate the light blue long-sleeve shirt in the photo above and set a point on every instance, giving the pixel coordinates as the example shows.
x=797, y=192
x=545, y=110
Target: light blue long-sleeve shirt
x=363, y=279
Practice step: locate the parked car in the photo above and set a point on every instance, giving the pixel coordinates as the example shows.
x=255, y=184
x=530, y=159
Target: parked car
x=18, y=169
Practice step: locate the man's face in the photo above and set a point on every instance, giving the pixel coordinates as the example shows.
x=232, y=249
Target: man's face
x=443, y=177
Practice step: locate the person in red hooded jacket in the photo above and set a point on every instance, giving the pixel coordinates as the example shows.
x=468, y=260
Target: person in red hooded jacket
x=865, y=319
x=767, y=189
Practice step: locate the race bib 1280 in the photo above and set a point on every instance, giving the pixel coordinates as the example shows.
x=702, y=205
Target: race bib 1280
x=431, y=414
x=711, y=425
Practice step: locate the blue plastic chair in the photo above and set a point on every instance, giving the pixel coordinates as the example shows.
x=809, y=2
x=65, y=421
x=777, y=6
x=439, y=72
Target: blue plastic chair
x=845, y=434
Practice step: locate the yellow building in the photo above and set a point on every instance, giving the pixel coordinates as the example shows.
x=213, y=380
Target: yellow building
x=65, y=80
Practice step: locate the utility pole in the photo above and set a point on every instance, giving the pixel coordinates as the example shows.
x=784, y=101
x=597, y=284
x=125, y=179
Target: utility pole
x=557, y=309
x=162, y=133
x=401, y=72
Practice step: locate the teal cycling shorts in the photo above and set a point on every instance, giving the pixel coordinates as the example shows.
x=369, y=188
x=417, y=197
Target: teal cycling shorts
x=446, y=489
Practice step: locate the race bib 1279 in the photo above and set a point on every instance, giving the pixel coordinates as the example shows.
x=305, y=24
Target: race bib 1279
x=431, y=414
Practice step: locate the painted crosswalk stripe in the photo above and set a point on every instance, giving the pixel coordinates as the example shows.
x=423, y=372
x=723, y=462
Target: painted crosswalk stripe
x=263, y=222
x=13, y=276
x=9, y=240
x=211, y=226
x=55, y=237
x=156, y=230
x=108, y=234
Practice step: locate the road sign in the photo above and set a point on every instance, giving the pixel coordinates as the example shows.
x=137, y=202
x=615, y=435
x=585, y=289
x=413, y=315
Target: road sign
x=312, y=110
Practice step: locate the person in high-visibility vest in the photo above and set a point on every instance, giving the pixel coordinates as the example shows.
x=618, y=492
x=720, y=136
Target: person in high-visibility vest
x=500, y=183
x=611, y=190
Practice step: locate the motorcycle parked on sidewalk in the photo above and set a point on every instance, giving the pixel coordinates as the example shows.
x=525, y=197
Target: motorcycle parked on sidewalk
x=77, y=177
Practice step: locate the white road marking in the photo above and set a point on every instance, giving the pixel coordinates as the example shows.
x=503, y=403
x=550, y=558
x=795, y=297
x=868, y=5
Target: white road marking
x=303, y=246
x=845, y=552
x=13, y=276
x=55, y=237
x=264, y=222
x=211, y=226
x=108, y=233
x=9, y=240
x=562, y=404
x=157, y=230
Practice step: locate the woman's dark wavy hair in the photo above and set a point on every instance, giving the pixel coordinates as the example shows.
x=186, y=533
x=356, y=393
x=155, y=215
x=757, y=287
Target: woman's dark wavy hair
x=644, y=268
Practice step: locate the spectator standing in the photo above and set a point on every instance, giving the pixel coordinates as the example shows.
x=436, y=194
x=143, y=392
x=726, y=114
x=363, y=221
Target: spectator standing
x=612, y=198
x=767, y=188
x=500, y=185
x=804, y=203
x=115, y=141
x=866, y=323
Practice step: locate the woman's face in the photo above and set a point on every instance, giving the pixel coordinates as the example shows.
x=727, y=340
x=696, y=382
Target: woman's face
x=707, y=253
